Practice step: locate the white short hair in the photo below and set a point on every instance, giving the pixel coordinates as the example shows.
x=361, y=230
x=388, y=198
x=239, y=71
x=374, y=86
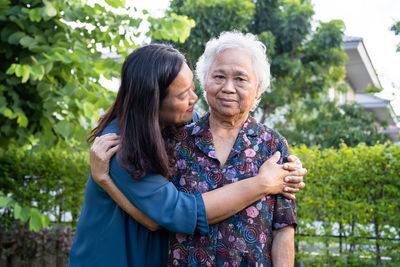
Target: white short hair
x=235, y=39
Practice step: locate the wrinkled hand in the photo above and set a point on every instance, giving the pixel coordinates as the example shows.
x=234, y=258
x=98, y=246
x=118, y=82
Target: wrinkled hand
x=103, y=148
x=284, y=179
x=294, y=179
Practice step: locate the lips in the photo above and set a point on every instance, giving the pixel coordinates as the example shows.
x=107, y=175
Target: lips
x=190, y=109
x=227, y=101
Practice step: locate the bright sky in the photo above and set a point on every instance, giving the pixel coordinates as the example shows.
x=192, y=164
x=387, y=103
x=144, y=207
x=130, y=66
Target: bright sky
x=369, y=19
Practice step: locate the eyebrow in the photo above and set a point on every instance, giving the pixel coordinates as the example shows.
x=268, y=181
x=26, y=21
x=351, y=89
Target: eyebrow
x=236, y=72
x=181, y=93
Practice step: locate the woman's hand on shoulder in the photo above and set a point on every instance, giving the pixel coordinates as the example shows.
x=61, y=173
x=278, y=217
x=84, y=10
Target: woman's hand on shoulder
x=284, y=179
x=103, y=148
x=296, y=172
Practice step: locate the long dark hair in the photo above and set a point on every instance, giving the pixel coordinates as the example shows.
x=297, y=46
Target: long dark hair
x=146, y=74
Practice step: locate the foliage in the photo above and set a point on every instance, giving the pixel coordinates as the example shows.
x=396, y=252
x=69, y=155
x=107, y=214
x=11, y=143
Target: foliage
x=348, y=208
x=211, y=17
x=328, y=124
x=52, y=181
x=396, y=29
x=348, y=212
x=52, y=62
x=304, y=63
x=24, y=213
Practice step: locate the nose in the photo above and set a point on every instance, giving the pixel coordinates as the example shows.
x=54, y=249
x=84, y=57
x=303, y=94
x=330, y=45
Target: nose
x=228, y=87
x=193, y=97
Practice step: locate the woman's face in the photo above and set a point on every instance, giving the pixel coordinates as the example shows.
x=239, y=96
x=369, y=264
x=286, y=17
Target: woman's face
x=231, y=87
x=177, y=106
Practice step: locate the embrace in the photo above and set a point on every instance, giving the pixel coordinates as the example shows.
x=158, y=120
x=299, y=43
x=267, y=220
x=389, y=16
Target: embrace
x=182, y=190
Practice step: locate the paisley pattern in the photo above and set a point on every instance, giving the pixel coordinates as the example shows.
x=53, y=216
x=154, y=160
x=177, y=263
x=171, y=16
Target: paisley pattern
x=245, y=239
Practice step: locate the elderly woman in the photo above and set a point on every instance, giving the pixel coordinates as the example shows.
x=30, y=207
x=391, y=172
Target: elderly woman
x=209, y=158
x=227, y=145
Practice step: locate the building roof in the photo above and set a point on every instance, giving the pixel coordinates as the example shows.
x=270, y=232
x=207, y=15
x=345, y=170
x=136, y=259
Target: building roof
x=361, y=73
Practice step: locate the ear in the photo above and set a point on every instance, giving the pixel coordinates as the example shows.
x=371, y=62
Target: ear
x=258, y=91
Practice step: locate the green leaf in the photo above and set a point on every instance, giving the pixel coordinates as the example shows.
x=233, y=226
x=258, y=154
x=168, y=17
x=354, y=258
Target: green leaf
x=45, y=220
x=11, y=69
x=15, y=37
x=17, y=211
x=18, y=70
x=37, y=70
x=27, y=41
x=35, y=223
x=4, y=3
x=9, y=114
x=116, y=3
x=5, y=202
x=34, y=15
x=49, y=9
x=22, y=120
x=21, y=213
x=25, y=73
x=64, y=128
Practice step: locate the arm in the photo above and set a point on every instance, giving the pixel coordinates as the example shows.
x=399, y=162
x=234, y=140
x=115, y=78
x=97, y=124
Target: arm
x=283, y=247
x=219, y=204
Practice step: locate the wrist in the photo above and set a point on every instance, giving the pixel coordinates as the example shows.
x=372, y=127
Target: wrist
x=102, y=179
x=262, y=185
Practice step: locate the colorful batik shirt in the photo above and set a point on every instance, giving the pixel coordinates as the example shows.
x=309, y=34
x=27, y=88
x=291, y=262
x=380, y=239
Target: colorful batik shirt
x=245, y=239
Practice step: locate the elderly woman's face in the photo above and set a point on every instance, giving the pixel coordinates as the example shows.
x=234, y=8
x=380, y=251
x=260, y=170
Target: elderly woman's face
x=231, y=87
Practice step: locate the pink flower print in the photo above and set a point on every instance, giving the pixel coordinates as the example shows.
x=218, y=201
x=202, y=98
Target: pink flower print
x=177, y=254
x=240, y=244
x=182, y=181
x=252, y=212
x=263, y=238
x=180, y=238
x=246, y=140
x=231, y=238
x=212, y=154
x=203, y=187
x=265, y=136
x=249, y=153
x=181, y=164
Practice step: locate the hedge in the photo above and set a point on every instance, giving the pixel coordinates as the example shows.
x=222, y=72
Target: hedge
x=348, y=214
x=349, y=211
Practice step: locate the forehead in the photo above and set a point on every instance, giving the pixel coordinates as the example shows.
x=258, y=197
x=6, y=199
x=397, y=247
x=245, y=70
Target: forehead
x=182, y=82
x=233, y=59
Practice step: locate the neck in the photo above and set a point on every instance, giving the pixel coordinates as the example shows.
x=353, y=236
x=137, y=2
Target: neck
x=224, y=131
x=230, y=123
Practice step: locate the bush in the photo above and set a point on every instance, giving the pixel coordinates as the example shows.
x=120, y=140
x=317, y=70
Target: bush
x=52, y=180
x=348, y=211
x=347, y=214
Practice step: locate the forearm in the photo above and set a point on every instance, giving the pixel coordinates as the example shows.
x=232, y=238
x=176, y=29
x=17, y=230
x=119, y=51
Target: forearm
x=228, y=200
x=283, y=247
x=109, y=186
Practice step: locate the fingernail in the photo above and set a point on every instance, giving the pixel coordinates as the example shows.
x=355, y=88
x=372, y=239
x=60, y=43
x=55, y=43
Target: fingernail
x=286, y=179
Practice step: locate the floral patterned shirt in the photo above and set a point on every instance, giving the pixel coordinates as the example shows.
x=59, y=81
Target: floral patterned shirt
x=244, y=239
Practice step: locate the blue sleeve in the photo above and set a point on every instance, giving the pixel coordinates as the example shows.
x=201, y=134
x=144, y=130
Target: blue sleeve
x=160, y=200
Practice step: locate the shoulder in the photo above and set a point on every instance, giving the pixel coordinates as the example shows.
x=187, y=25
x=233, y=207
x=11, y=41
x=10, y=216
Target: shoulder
x=275, y=141
x=270, y=134
x=111, y=128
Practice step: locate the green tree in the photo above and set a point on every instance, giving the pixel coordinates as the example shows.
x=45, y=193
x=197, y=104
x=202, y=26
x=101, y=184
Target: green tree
x=212, y=17
x=305, y=62
x=327, y=124
x=51, y=54
x=396, y=29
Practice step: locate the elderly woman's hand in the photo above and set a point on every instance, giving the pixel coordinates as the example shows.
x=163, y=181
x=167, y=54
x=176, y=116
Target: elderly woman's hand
x=284, y=179
x=103, y=148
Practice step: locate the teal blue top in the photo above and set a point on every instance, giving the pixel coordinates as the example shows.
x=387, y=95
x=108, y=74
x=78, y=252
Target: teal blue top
x=107, y=236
